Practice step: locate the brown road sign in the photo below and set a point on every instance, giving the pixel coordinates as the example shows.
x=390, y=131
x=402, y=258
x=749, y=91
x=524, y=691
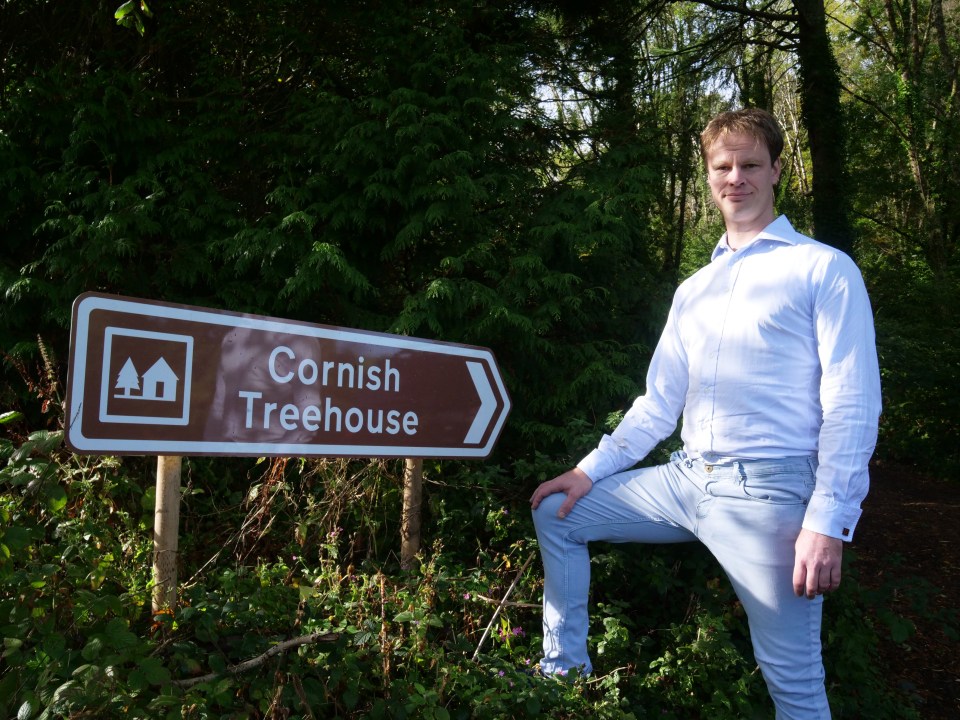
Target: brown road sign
x=151, y=378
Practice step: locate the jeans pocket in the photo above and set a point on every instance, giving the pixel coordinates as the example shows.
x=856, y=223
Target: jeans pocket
x=779, y=488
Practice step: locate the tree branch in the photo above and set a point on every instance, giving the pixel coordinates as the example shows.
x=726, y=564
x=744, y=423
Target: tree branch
x=511, y=603
x=747, y=12
x=281, y=647
x=894, y=125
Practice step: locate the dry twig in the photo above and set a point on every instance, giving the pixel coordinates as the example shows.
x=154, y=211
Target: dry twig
x=503, y=602
x=281, y=647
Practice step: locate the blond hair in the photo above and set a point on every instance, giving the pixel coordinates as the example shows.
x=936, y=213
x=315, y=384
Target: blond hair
x=754, y=122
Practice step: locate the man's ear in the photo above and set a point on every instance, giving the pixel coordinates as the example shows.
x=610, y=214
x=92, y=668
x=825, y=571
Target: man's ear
x=776, y=171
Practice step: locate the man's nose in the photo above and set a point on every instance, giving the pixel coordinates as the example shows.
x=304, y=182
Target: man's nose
x=735, y=177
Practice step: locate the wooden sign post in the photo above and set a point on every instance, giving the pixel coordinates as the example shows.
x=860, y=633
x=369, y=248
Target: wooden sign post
x=410, y=520
x=166, y=529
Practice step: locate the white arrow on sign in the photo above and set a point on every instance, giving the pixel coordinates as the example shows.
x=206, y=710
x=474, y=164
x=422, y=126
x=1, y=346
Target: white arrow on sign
x=488, y=403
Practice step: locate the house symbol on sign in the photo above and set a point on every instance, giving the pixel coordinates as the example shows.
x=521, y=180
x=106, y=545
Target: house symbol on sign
x=159, y=382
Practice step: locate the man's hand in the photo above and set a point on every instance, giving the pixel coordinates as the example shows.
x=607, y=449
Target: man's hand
x=574, y=483
x=816, y=569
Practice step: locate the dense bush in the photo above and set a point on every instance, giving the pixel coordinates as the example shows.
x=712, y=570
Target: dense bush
x=303, y=556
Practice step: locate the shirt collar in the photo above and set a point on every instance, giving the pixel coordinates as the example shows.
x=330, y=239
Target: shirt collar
x=780, y=230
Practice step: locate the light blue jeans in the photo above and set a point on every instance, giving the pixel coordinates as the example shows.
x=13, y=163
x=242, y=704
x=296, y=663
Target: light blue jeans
x=748, y=514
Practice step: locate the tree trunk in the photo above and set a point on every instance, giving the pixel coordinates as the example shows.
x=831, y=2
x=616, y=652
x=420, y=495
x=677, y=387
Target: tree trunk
x=823, y=118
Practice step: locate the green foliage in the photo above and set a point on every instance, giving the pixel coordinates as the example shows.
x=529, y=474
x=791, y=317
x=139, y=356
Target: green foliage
x=855, y=620
x=704, y=672
x=73, y=578
x=667, y=634
x=900, y=63
x=132, y=14
x=920, y=366
x=383, y=170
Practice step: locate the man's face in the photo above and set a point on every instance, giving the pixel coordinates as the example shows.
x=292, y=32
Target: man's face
x=741, y=179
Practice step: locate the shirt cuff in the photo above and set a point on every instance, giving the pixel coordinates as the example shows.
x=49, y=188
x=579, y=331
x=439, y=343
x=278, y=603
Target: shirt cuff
x=594, y=465
x=828, y=517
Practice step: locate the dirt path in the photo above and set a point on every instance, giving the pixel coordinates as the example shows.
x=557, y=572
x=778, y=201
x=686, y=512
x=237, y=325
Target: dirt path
x=911, y=526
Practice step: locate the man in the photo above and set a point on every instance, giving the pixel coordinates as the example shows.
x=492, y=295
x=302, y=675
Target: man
x=769, y=354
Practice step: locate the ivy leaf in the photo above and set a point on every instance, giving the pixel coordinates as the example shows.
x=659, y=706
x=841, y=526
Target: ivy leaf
x=124, y=10
x=42, y=442
x=128, y=15
x=154, y=671
x=55, y=646
x=119, y=635
x=93, y=648
x=16, y=538
x=56, y=498
x=11, y=645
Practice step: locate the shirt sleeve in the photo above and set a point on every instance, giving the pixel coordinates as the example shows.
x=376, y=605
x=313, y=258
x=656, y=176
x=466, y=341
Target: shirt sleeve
x=653, y=415
x=849, y=396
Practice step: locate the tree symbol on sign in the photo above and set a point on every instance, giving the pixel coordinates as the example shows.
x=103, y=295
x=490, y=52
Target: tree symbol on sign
x=128, y=379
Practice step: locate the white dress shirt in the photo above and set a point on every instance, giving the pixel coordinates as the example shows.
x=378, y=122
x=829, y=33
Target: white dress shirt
x=768, y=352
